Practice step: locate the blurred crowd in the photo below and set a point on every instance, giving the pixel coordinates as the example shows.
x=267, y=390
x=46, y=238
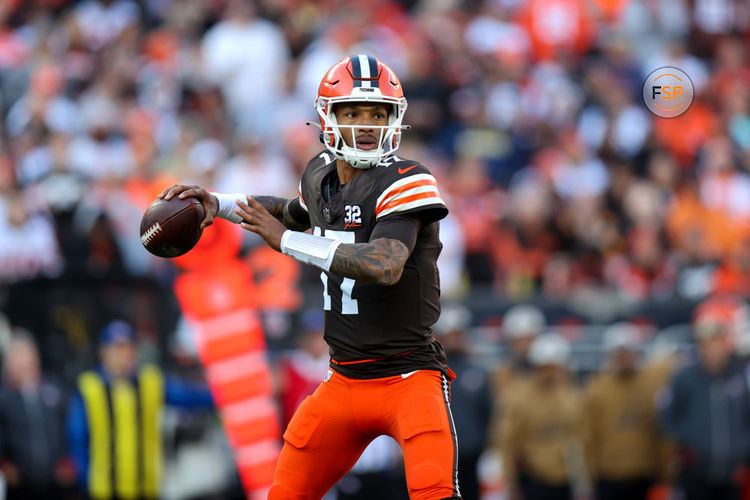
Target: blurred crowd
x=529, y=112
x=547, y=417
x=663, y=418
x=652, y=418
x=564, y=192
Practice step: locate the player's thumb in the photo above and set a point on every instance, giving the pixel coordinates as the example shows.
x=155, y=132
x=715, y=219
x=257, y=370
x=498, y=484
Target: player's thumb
x=207, y=221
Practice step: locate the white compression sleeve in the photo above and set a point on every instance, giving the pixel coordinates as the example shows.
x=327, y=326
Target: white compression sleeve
x=315, y=250
x=227, y=203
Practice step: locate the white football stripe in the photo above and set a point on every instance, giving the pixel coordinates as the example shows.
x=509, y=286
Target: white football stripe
x=433, y=200
x=402, y=182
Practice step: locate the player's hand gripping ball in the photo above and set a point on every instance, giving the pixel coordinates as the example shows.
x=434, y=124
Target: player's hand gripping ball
x=171, y=228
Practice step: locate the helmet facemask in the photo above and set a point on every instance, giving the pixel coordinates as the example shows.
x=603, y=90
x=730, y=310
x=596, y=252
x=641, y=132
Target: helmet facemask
x=388, y=136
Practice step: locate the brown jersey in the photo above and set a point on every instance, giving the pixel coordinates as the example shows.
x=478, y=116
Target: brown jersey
x=372, y=330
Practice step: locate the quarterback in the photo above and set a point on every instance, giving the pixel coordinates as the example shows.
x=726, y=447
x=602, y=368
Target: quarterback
x=374, y=220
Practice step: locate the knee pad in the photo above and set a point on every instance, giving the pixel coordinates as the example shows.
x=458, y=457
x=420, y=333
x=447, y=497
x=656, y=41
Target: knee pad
x=280, y=492
x=288, y=485
x=424, y=475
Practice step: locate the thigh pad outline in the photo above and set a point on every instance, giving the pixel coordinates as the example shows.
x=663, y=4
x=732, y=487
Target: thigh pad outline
x=424, y=413
x=305, y=421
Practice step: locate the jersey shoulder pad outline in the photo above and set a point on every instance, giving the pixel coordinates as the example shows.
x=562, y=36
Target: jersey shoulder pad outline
x=407, y=186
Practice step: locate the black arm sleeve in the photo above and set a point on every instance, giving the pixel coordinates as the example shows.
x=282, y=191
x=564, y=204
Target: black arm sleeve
x=398, y=227
x=298, y=213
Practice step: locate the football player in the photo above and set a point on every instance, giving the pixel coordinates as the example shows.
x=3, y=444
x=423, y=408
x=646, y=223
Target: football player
x=374, y=219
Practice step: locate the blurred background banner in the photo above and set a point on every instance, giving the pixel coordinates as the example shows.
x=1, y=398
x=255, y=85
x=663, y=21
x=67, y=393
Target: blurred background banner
x=596, y=257
x=216, y=293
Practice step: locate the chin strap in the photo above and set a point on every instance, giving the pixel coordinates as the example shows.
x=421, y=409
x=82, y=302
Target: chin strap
x=359, y=163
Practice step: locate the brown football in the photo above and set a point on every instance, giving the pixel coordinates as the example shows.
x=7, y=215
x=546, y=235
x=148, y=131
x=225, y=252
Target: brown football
x=171, y=228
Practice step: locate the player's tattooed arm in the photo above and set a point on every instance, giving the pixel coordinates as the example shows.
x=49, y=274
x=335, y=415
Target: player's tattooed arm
x=295, y=217
x=279, y=208
x=276, y=206
x=380, y=261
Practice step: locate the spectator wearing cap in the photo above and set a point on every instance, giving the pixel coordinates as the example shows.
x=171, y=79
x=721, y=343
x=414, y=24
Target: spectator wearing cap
x=521, y=325
x=471, y=397
x=113, y=419
x=706, y=410
x=542, y=441
x=623, y=443
x=33, y=456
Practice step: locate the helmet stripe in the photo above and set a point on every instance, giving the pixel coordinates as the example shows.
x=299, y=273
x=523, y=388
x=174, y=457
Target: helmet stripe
x=373, y=71
x=365, y=65
x=356, y=71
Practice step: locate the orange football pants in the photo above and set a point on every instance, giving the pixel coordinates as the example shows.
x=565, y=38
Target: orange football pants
x=331, y=429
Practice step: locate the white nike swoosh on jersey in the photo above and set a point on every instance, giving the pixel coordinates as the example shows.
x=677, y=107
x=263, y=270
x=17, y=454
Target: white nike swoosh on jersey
x=404, y=375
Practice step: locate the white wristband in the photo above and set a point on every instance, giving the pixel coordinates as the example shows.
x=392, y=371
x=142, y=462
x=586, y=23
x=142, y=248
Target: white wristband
x=315, y=250
x=227, y=203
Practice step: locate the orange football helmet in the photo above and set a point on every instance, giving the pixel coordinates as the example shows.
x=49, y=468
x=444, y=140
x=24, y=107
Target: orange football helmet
x=361, y=78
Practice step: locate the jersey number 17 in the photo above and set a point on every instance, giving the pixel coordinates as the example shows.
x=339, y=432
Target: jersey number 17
x=348, y=304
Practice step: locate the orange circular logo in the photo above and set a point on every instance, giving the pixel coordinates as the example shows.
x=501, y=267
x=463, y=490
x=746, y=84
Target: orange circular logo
x=668, y=92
